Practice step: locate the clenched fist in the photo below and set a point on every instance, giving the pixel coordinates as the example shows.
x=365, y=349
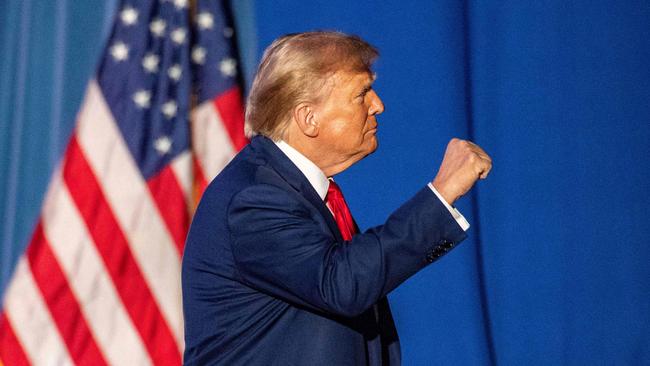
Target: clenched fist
x=464, y=163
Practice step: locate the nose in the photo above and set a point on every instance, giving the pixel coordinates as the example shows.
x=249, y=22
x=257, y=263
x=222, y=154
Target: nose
x=376, y=105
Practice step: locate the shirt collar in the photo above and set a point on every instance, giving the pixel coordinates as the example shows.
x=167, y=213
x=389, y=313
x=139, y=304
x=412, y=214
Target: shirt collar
x=311, y=171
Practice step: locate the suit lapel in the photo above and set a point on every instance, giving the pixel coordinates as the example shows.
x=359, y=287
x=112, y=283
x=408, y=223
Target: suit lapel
x=292, y=175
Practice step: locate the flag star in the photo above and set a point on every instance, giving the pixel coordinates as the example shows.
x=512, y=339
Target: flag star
x=175, y=72
x=228, y=67
x=169, y=109
x=129, y=15
x=198, y=55
x=178, y=35
x=120, y=51
x=228, y=32
x=157, y=27
x=150, y=62
x=163, y=145
x=142, y=98
x=205, y=20
x=180, y=4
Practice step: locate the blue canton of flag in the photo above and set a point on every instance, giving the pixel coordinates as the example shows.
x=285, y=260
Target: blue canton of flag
x=145, y=78
x=214, y=52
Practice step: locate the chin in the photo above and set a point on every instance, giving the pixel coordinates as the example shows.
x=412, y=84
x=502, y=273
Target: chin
x=368, y=148
x=374, y=144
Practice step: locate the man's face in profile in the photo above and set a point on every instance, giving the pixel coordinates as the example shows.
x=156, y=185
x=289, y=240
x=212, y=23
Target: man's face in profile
x=347, y=116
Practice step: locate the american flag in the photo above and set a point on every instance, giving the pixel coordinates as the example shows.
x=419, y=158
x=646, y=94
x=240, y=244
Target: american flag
x=99, y=282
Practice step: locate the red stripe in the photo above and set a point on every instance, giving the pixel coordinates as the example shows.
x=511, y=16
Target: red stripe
x=231, y=109
x=200, y=182
x=169, y=198
x=61, y=302
x=11, y=351
x=116, y=254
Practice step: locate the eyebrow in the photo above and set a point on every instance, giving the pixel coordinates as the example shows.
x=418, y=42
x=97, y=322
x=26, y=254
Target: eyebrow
x=368, y=86
x=365, y=90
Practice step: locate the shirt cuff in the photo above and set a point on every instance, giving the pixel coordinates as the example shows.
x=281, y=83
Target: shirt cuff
x=460, y=219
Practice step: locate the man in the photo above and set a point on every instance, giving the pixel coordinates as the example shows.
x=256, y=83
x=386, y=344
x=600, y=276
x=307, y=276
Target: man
x=274, y=272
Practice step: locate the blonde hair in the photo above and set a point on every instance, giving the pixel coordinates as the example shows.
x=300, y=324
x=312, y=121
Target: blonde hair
x=294, y=70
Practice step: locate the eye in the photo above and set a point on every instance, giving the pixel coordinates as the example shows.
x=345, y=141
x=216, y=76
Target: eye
x=364, y=92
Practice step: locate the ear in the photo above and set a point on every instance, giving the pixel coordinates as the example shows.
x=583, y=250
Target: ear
x=304, y=117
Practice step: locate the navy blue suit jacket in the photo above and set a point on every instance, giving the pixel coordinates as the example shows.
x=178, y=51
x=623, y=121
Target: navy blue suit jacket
x=268, y=279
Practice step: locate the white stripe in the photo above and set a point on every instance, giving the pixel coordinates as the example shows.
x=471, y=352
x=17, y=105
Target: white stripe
x=31, y=320
x=182, y=168
x=210, y=140
x=89, y=280
x=133, y=206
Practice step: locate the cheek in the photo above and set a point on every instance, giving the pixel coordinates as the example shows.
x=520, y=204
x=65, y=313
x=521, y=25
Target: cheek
x=339, y=128
x=347, y=130
x=337, y=135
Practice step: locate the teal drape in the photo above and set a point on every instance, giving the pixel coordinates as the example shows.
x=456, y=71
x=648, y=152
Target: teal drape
x=49, y=50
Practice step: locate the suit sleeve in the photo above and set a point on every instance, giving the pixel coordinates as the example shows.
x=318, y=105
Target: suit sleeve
x=282, y=249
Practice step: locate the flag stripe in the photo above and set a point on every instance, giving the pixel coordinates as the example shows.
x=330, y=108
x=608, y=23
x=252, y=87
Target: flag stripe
x=130, y=201
x=61, y=302
x=170, y=199
x=230, y=107
x=184, y=171
x=213, y=147
x=31, y=321
x=11, y=351
x=76, y=253
x=117, y=256
x=200, y=183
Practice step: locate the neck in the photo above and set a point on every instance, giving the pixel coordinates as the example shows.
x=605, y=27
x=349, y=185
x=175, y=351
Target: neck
x=312, y=150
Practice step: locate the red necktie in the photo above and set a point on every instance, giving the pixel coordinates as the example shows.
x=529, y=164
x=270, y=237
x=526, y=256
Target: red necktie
x=341, y=211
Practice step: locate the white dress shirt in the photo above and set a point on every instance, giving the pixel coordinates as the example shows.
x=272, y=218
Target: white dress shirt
x=321, y=183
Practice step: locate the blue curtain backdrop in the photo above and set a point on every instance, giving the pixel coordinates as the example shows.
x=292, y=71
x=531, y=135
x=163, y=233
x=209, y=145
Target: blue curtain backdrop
x=557, y=266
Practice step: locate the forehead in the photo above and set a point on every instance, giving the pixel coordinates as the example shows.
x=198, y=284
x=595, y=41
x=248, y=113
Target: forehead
x=343, y=80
